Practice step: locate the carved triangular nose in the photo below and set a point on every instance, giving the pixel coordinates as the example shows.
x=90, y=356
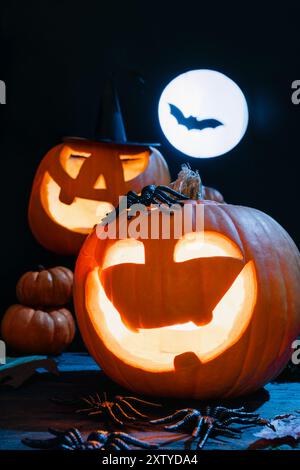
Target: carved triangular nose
x=100, y=182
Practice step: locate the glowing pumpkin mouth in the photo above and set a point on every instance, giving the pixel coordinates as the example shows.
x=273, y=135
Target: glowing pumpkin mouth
x=155, y=349
x=87, y=211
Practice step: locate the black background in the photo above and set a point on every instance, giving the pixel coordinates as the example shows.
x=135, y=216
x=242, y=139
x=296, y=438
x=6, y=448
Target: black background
x=55, y=56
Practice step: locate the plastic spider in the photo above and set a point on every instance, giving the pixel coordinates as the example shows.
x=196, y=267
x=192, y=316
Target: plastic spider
x=215, y=420
x=71, y=439
x=117, y=410
x=150, y=195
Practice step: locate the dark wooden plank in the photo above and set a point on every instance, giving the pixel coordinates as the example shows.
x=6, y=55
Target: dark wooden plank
x=28, y=411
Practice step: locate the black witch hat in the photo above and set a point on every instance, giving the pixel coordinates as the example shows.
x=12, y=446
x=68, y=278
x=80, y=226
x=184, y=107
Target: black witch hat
x=110, y=125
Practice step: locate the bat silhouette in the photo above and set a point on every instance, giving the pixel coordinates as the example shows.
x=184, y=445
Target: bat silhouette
x=192, y=122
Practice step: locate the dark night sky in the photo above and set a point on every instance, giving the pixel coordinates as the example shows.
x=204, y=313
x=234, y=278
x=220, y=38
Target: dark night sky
x=55, y=56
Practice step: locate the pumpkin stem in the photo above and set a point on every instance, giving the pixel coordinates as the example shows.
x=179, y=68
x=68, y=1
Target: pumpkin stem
x=188, y=182
x=40, y=268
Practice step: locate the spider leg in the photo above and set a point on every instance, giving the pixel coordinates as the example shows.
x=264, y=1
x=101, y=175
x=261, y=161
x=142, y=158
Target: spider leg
x=235, y=411
x=222, y=412
x=139, y=400
x=165, y=208
x=92, y=446
x=238, y=420
x=123, y=412
x=161, y=197
x=228, y=432
x=166, y=198
x=172, y=417
x=133, y=409
x=112, y=414
x=202, y=441
x=72, y=436
x=111, y=446
x=131, y=198
x=133, y=440
x=75, y=436
x=84, y=410
x=122, y=445
x=199, y=424
x=220, y=425
x=92, y=405
x=66, y=447
x=172, y=191
x=182, y=422
x=90, y=400
x=41, y=443
x=133, y=195
x=68, y=442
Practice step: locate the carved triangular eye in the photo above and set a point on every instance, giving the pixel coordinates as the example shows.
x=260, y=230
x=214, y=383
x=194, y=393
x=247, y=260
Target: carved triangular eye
x=72, y=160
x=134, y=165
x=125, y=251
x=205, y=245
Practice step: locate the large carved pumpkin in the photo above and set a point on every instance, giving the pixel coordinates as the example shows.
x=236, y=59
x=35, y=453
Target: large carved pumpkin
x=211, y=314
x=79, y=181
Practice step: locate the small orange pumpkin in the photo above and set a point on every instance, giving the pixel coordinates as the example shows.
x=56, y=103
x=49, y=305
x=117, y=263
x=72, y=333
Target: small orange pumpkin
x=29, y=331
x=212, y=194
x=211, y=314
x=45, y=287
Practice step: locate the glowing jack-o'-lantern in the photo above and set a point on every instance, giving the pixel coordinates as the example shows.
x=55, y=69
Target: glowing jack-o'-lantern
x=211, y=314
x=79, y=181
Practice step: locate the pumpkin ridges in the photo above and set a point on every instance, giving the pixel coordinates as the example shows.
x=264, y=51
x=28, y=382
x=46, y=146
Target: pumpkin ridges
x=227, y=225
x=61, y=334
x=288, y=286
x=248, y=334
x=235, y=389
x=72, y=329
x=257, y=355
x=45, y=325
x=45, y=288
x=284, y=282
x=32, y=331
x=62, y=283
x=284, y=294
x=212, y=194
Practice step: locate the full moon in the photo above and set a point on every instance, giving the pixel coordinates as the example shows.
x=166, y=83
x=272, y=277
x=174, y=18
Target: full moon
x=203, y=113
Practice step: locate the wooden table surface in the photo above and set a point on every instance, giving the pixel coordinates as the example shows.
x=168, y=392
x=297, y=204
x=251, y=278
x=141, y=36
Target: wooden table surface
x=28, y=411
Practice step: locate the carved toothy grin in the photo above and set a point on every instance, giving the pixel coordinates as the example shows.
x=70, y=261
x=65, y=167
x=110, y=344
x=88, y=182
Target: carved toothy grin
x=155, y=349
x=88, y=212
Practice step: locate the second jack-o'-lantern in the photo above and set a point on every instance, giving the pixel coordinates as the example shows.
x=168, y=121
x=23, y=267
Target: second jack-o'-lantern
x=80, y=180
x=210, y=314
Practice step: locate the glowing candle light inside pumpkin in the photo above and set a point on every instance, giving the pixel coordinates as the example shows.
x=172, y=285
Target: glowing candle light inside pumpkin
x=156, y=348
